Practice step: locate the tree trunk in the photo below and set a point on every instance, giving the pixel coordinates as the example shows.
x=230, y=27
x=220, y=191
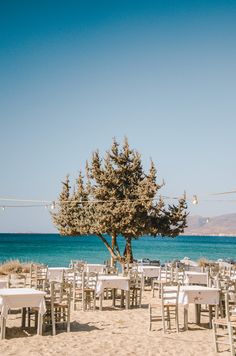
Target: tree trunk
x=128, y=254
x=113, y=244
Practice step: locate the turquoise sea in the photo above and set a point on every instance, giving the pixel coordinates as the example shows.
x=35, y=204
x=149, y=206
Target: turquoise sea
x=55, y=250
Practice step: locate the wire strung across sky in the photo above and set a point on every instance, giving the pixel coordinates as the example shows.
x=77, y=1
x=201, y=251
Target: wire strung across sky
x=52, y=203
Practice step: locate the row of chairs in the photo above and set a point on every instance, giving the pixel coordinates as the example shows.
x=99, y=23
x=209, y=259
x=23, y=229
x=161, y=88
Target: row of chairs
x=76, y=289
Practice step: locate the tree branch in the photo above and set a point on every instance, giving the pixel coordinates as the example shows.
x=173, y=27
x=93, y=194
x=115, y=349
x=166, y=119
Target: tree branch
x=107, y=245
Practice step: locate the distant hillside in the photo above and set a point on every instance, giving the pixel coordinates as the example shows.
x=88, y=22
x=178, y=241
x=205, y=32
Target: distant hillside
x=218, y=225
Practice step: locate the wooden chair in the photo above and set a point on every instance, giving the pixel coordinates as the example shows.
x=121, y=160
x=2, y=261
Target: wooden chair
x=76, y=279
x=89, y=290
x=224, y=327
x=169, y=304
x=165, y=277
x=16, y=281
x=69, y=275
x=179, y=275
x=58, y=306
x=78, y=265
x=136, y=286
x=155, y=315
x=167, y=310
x=38, y=276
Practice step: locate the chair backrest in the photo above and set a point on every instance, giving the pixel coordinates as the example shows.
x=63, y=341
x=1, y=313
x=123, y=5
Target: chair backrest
x=112, y=270
x=79, y=265
x=38, y=275
x=16, y=281
x=60, y=292
x=230, y=306
x=69, y=275
x=170, y=294
x=90, y=280
x=166, y=275
x=38, y=270
x=136, y=279
x=179, y=275
x=75, y=278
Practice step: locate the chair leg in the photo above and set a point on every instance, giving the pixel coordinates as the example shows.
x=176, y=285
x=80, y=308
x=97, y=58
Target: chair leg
x=24, y=317
x=40, y=324
x=29, y=319
x=36, y=319
x=210, y=316
x=140, y=298
x=231, y=339
x=163, y=320
x=215, y=337
x=168, y=318
x=150, y=318
x=53, y=322
x=185, y=318
x=177, y=319
x=94, y=300
x=68, y=319
x=3, y=328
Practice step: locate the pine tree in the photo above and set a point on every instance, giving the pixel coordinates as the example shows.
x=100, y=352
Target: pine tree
x=118, y=199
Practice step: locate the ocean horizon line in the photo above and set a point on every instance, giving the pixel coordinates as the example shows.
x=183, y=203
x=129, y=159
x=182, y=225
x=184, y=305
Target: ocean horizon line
x=143, y=236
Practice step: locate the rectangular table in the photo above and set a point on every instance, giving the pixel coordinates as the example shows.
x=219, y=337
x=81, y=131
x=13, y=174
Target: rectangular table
x=17, y=298
x=112, y=282
x=198, y=295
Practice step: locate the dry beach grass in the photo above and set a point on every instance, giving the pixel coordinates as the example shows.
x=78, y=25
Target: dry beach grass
x=14, y=266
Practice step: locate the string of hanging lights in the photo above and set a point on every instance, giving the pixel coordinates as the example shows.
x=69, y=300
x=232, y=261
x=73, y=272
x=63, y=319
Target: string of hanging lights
x=51, y=205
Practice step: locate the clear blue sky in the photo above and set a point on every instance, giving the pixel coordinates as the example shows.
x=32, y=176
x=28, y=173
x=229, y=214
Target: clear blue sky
x=74, y=74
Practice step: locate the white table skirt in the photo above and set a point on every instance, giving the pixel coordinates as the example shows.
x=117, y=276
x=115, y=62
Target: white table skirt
x=117, y=282
x=97, y=268
x=149, y=271
x=198, y=295
x=14, y=298
x=195, y=278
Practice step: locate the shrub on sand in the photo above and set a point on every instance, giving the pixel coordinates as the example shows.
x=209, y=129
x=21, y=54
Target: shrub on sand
x=203, y=262
x=14, y=266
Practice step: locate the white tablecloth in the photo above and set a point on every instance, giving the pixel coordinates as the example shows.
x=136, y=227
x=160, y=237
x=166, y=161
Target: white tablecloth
x=56, y=273
x=14, y=298
x=117, y=282
x=195, y=278
x=98, y=268
x=149, y=271
x=198, y=295
x=3, y=283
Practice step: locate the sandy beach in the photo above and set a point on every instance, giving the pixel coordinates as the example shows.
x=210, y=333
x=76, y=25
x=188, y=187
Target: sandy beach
x=110, y=332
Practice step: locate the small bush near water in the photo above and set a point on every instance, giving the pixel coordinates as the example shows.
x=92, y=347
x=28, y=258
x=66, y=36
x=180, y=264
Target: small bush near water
x=14, y=266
